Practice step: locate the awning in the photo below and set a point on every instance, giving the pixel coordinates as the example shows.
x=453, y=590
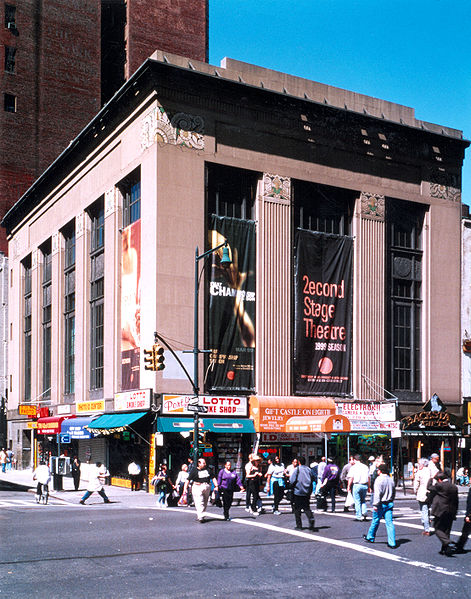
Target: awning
x=295, y=414
x=76, y=428
x=51, y=425
x=213, y=425
x=114, y=423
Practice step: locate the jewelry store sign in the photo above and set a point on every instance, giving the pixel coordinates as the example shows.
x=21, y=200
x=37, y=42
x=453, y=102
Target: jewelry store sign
x=217, y=405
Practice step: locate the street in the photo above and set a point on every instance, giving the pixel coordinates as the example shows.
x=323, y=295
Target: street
x=124, y=551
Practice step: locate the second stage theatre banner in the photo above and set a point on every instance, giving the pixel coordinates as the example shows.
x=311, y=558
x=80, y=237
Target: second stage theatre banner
x=323, y=313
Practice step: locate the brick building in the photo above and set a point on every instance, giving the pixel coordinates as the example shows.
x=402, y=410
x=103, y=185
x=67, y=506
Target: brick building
x=61, y=60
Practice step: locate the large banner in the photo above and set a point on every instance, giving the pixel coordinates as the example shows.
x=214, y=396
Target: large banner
x=231, y=317
x=130, y=306
x=323, y=313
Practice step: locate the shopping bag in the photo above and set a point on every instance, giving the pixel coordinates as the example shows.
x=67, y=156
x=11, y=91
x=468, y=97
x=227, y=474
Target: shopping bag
x=349, y=501
x=183, y=499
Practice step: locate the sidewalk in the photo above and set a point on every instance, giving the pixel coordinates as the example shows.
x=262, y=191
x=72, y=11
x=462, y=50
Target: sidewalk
x=24, y=478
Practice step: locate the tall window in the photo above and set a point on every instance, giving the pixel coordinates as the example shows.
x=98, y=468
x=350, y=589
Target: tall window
x=404, y=253
x=130, y=188
x=322, y=208
x=46, y=319
x=97, y=281
x=231, y=191
x=69, y=309
x=27, y=329
x=10, y=16
x=10, y=54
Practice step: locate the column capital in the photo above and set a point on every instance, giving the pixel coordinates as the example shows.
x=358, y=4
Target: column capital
x=372, y=206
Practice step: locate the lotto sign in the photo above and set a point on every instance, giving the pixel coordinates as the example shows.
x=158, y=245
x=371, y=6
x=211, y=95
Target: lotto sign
x=216, y=405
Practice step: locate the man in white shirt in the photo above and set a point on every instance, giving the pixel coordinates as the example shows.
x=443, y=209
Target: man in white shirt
x=434, y=464
x=358, y=485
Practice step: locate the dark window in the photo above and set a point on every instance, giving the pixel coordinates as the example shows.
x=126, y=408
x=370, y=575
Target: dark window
x=404, y=254
x=113, y=47
x=46, y=319
x=9, y=104
x=69, y=309
x=231, y=191
x=97, y=294
x=130, y=189
x=27, y=305
x=322, y=208
x=10, y=16
x=10, y=59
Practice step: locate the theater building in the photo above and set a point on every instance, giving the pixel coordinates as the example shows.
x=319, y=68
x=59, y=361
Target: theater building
x=341, y=215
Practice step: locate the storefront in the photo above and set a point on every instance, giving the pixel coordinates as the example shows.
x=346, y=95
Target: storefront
x=296, y=425
x=226, y=432
x=48, y=444
x=429, y=431
x=373, y=430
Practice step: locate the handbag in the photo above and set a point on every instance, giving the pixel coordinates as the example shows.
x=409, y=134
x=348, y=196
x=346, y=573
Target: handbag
x=183, y=499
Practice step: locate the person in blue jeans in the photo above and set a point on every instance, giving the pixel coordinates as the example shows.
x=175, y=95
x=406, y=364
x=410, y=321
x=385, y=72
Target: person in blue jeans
x=383, y=503
x=358, y=485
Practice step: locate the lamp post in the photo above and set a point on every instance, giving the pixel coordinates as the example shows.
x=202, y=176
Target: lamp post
x=225, y=261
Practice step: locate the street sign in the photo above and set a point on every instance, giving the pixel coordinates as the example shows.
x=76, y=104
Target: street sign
x=193, y=408
x=65, y=438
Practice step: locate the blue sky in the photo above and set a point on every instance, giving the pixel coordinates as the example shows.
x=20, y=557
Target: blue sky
x=415, y=52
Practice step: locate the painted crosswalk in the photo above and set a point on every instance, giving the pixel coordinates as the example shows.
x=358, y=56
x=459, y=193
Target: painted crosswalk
x=30, y=503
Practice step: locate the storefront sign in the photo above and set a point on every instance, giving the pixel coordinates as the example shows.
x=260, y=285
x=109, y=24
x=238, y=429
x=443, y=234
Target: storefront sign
x=216, y=405
x=85, y=407
x=132, y=400
x=63, y=409
x=469, y=412
x=25, y=409
x=32, y=425
x=373, y=412
x=50, y=425
x=291, y=438
x=428, y=420
x=292, y=414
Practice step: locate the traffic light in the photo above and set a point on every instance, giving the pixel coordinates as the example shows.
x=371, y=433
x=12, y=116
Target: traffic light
x=159, y=357
x=149, y=363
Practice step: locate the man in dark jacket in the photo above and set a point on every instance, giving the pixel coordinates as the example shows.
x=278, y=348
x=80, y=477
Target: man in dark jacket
x=443, y=496
x=301, y=483
x=466, y=526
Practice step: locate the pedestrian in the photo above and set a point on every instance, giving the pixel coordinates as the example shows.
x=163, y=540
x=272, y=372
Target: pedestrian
x=134, y=471
x=268, y=488
x=462, y=477
x=344, y=481
x=383, y=503
x=3, y=459
x=421, y=480
x=443, y=496
x=228, y=482
x=358, y=485
x=97, y=478
x=434, y=465
x=42, y=475
x=201, y=478
x=277, y=481
x=320, y=473
x=10, y=459
x=162, y=485
x=466, y=530
x=75, y=469
x=253, y=478
x=301, y=483
x=330, y=482
x=288, y=472
x=182, y=477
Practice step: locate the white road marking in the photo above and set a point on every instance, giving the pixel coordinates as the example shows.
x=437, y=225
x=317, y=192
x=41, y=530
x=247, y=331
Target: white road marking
x=394, y=557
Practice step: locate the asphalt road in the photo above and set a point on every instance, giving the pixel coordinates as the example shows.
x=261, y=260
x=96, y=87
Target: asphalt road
x=67, y=550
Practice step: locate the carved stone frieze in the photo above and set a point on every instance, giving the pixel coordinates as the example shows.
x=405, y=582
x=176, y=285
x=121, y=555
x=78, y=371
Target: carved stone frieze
x=276, y=187
x=79, y=224
x=372, y=206
x=110, y=201
x=182, y=129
